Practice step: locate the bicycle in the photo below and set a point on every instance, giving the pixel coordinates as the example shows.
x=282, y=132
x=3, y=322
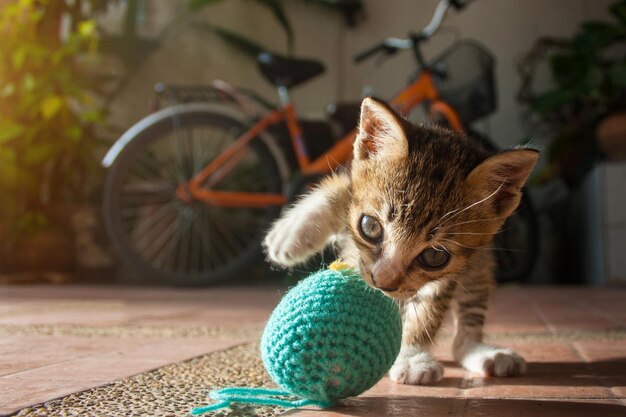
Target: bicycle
x=186, y=213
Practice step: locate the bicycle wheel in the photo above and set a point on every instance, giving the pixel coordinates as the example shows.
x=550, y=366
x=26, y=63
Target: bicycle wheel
x=172, y=242
x=517, y=243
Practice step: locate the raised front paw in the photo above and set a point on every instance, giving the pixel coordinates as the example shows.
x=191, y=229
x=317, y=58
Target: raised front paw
x=294, y=238
x=417, y=369
x=494, y=361
x=282, y=245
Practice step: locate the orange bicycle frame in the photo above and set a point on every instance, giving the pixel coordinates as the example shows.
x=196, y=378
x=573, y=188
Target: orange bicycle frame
x=421, y=90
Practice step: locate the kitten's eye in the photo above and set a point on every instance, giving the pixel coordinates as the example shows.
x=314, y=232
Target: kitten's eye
x=433, y=259
x=370, y=228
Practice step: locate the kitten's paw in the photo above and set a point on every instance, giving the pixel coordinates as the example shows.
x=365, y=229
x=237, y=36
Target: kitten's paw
x=284, y=246
x=295, y=238
x=308, y=226
x=418, y=369
x=494, y=361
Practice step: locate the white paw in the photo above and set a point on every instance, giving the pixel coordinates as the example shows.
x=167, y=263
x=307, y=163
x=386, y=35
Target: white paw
x=493, y=361
x=418, y=369
x=297, y=236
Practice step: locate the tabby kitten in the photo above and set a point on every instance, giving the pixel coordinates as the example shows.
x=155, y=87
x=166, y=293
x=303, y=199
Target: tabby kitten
x=416, y=215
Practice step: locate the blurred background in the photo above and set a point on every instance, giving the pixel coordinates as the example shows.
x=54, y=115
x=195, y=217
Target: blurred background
x=76, y=74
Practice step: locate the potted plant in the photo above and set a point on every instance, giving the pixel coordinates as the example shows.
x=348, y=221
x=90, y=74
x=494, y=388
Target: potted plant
x=588, y=73
x=47, y=120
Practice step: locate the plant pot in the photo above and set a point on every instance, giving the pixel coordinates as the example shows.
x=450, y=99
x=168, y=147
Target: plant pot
x=611, y=136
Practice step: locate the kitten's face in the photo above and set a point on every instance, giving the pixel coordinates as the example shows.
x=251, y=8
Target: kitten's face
x=423, y=201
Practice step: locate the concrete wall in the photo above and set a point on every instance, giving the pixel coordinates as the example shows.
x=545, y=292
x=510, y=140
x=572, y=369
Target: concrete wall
x=507, y=27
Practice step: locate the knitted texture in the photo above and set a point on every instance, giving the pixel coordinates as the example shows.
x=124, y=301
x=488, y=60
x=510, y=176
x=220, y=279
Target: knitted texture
x=331, y=337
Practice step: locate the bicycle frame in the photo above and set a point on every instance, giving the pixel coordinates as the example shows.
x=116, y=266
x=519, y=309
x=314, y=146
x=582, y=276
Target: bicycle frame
x=422, y=90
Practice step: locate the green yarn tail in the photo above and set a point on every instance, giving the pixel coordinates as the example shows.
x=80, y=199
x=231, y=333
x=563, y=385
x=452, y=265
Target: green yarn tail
x=257, y=396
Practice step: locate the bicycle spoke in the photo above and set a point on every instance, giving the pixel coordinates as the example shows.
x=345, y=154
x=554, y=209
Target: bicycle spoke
x=178, y=154
x=202, y=230
x=194, y=248
x=183, y=247
x=243, y=228
x=159, y=241
x=166, y=160
x=214, y=242
x=226, y=241
x=145, y=231
x=162, y=255
x=148, y=167
x=170, y=251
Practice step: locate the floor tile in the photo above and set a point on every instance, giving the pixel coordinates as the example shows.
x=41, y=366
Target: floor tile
x=554, y=370
x=119, y=359
x=606, y=360
x=388, y=406
x=492, y=407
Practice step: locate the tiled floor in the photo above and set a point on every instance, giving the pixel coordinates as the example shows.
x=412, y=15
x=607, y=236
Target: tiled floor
x=56, y=340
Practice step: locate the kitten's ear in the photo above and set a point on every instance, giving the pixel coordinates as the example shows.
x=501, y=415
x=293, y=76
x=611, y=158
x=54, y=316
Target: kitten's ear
x=499, y=179
x=380, y=132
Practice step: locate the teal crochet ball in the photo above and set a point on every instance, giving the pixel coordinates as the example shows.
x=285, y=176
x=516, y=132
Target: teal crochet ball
x=331, y=337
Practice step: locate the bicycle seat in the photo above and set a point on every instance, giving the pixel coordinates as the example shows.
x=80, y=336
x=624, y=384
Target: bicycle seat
x=287, y=72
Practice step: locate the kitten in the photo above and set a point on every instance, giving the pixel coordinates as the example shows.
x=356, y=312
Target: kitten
x=416, y=215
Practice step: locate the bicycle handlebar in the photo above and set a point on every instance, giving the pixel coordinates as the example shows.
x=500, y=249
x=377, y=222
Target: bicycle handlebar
x=365, y=54
x=393, y=45
x=388, y=45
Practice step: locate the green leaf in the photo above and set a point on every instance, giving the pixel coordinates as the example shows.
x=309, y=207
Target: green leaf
x=569, y=70
x=50, y=106
x=196, y=5
x=92, y=116
x=87, y=28
x=241, y=43
x=617, y=74
x=9, y=170
x=594, y=36
x=74, y=133
x=350, y=9
x=277, y=9
x=552, y=100
x=618, y=9
x=9, y=130
x=28, y=82
x=36, y=155
x=7, y=155
x=18, y=57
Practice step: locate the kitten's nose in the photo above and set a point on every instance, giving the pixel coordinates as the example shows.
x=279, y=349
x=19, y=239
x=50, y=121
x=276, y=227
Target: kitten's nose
x=386, y=276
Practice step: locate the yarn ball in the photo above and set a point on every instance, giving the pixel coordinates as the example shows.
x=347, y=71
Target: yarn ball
x=331, y=337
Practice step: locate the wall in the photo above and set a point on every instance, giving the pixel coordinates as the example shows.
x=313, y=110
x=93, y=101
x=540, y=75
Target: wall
x=188, y=55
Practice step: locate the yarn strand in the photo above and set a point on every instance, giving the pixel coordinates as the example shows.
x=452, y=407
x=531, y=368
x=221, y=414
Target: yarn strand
x=255, y=396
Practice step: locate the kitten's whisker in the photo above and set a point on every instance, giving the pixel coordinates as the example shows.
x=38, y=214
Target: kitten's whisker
x=476, y=203
x=467, y=233
x=441, y=248
x=486, y=247
x=447, y=214
x=468, y=222
x=461, y=285
x=465, y=246
x=422, y=321
x=507, y=249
